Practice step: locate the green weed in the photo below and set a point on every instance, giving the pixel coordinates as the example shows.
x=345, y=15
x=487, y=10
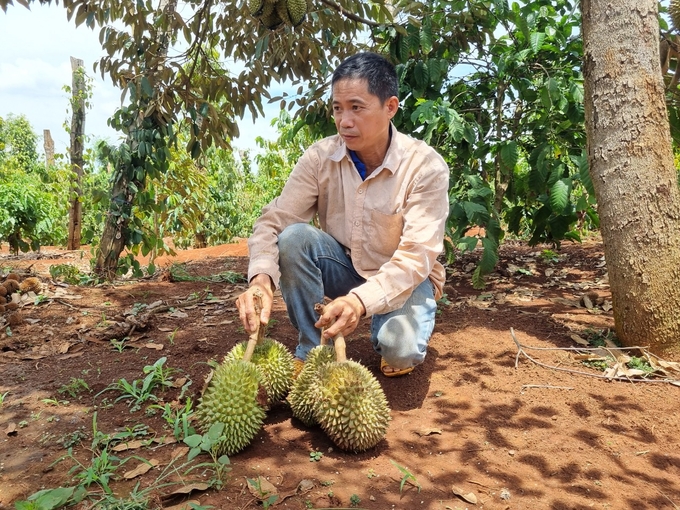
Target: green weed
x=407, y=477
x=74, y=387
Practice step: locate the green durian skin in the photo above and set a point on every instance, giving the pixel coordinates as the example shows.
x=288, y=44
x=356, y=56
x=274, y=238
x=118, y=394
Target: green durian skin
x=304, y=392
x=255, y=7
x=297, y=10
x=352, y=408
x=674, y=12
x=231, y=398
x=275, y=364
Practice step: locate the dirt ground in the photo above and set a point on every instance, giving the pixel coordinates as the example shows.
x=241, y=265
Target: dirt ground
x=502, y=431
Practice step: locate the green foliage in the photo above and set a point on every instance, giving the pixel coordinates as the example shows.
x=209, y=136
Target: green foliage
x=18, y=144
x=74, y=387
x=407, y=476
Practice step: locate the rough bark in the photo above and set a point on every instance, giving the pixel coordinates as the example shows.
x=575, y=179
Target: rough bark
x=48, y=145
x=75, y=212
x=631, y=165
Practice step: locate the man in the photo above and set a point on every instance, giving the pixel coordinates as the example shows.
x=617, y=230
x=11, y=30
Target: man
x=382, y=202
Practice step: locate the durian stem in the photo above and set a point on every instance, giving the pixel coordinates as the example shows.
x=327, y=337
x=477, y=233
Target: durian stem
x=256, y=336
x=340, y=352
x=338, y=340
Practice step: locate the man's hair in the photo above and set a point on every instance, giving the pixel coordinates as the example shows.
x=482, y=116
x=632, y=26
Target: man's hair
x=375, y=69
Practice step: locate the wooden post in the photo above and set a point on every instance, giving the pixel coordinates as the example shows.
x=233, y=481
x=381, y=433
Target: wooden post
x=48, y=145
x=75, y=213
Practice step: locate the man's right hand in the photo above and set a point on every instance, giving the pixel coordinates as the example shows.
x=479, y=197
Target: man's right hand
x=246, y=303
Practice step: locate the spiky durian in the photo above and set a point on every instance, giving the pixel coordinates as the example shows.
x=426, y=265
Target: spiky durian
x=275, y=364
x=233, y=397
x=255, y=7
x=12, y=276
x=31, y=284
x=351, y=408
x=304, y=392
x=282, y=11
x=674, y=11
x=297, y=10
x=273, y=20
x=11, y=285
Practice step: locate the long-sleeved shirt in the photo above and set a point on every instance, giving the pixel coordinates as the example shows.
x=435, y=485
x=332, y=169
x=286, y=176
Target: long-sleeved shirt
x=392, y=223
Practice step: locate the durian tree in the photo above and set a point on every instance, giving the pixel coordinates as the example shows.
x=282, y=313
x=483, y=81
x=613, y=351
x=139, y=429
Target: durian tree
x=631, y=162
x=205, y=66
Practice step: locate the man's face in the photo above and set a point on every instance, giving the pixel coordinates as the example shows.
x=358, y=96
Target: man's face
x=360, y=118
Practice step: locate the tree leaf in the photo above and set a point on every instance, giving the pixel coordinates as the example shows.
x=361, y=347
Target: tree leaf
x=536, y=41
x=559, y=195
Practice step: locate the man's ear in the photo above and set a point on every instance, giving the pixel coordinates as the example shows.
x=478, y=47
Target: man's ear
x=392, y=105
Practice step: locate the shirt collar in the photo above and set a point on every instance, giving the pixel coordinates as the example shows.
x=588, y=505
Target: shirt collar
x=392, y=157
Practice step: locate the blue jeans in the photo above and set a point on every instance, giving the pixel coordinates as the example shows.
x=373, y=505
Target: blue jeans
x=313, y=265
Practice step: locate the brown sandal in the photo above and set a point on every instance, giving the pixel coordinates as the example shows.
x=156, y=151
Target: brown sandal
x=394, y=372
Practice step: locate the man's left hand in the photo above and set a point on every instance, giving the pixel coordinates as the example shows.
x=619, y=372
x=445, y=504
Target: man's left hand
x=341, y=315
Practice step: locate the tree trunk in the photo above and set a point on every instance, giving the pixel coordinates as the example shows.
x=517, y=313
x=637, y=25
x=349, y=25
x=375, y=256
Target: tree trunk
x=48, y=145
x=75, y=213
x=631, y=165
x=116, y=232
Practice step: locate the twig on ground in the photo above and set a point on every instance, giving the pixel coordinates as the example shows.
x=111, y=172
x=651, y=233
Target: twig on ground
x=521, y=349
x=547, y=386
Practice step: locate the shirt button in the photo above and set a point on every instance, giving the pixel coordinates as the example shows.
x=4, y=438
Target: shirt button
x=361, y=191
x=357, y=223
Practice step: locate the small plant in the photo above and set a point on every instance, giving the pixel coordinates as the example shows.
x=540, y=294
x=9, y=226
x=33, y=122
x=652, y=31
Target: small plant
x=371, y=474
x=210, y=443
x=354, y=501
x=315, y=456
x=407, y=477
x=549, y=256
x=2, y=397
x=640, y=364
x=74, y=387
x=118, y=345
x=72, y=439
x=40, y=298
x=178, y=419
x=171, y=336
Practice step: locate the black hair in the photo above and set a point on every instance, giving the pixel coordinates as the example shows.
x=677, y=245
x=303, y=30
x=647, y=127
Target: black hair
x=375, y=69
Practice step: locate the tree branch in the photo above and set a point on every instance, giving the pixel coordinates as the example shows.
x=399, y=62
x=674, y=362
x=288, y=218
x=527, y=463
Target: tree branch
x=348, y=14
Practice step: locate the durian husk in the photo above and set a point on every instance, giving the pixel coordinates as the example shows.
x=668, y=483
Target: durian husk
x=275, y=363
x=350, y=405
x=297, y=11
x=3, y=290
x=231, y=398
x=352, y=408
x=235, y=396
x=31, y=284
x=11, y=285
x=674, y=12
x=305, y=391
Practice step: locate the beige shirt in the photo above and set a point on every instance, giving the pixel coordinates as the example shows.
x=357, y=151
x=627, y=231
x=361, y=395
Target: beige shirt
x=392, y=223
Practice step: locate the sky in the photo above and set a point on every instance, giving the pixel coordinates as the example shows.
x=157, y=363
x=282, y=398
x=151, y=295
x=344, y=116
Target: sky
x=35, y=51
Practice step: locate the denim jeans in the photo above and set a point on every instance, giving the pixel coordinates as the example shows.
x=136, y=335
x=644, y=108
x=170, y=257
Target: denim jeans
x=313, y=265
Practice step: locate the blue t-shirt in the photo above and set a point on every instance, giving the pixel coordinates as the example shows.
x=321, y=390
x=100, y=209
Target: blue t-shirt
x=361, y=168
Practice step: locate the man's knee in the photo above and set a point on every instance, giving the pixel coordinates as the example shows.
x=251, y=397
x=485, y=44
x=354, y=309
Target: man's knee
x=295, y=238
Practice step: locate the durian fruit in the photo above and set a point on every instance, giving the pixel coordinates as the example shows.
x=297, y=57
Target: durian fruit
x=231, y=397
x=271, y=20
x=305, y=390
x=31, y=284
x=11, y=285
x=256, y=6
x=674, y=11
x=3, y=290
x=282, y=10
x=352, y=408
x=3, y=300
x=275, y=364
x=297, y=10
x=12, y=276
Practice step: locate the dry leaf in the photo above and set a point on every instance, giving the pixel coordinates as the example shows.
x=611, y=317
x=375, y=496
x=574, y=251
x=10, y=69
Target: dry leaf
x=11, y=429
x=183, y=506
x=166, y=330
x=579, y=340
x=261, y=488
x=130, y=445
x=428, y=432
x=187, y=489
x=179, y=452
x=141, y=469
x=179, y=382
x=587, y=302
x=469, y=497
x=152, y=345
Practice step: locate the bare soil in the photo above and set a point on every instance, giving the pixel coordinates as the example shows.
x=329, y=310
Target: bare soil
x=475, y=418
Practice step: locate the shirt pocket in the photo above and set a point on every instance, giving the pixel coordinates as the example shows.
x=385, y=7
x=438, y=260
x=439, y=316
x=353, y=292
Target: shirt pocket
x=384, y=233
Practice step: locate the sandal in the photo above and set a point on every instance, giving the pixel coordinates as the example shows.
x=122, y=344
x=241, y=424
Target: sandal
x=389, y=371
